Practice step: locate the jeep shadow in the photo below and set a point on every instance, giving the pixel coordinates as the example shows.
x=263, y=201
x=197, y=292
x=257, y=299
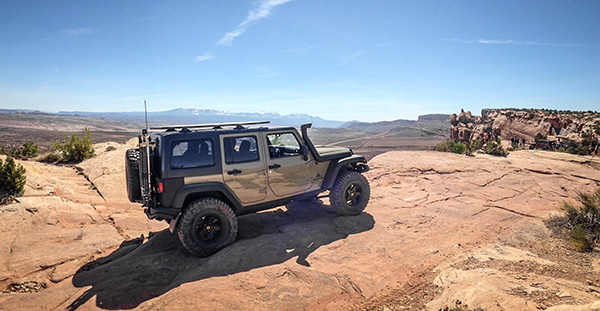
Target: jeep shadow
x=137, y=271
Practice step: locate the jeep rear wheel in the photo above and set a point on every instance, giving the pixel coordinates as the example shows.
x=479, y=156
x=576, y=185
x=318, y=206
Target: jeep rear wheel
x=206, y=226
x=350, y=193
x=132, y=174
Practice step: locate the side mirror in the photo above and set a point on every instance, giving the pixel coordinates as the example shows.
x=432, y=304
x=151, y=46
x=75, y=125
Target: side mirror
x=304, y=152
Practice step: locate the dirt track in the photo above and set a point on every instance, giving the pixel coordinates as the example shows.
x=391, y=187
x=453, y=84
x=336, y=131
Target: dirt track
x=441, y=230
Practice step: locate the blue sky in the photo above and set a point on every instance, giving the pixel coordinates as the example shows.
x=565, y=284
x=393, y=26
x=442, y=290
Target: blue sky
x=341, y=60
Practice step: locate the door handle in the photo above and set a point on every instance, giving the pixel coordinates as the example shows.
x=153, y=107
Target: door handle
x=274, y=166
x=234, y=172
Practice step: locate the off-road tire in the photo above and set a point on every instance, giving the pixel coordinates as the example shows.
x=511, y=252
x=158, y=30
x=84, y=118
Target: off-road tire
x=350, y=193
x=132, y=174
x=206, y=226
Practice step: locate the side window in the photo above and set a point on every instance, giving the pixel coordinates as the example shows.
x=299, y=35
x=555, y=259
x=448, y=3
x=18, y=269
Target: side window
x=283, y=145
x=240, y=149
x=192, y=153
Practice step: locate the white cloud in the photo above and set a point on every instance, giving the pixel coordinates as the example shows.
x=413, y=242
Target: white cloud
x=352, y=56
x=262, y=72
x=268, y=75
x=516, y=42
x=513, y=42
x=75, y=32
x=262, y=10
x=206, y=56
x=532, y=43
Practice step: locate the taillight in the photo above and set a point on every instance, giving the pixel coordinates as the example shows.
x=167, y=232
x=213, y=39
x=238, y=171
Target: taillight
x=160, y=186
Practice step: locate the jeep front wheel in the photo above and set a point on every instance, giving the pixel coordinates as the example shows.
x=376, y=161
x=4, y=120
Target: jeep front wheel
x=206, y=226
x=350, y=193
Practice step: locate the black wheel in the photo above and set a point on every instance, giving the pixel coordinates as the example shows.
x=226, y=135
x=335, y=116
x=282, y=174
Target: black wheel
x=132, y=174
x=350, y=193
x=206, y=226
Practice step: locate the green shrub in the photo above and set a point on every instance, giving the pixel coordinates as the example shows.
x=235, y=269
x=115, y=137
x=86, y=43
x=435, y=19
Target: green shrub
x=580, y=240
x=457, y=147
x=29, y=150
x=581, y=148
x=453, y=146
x=12, y=177
x=540, y=136
x=495, y=148
x=443, y=146
x=583, y=220
x=26, y=151
x=110, y=148
x=74, y=149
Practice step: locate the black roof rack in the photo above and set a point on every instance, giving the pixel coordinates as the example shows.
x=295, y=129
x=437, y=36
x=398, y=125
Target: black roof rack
x=216, y=126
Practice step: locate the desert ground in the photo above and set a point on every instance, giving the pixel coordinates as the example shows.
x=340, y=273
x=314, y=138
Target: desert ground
x=45, y=129
x=441, y=231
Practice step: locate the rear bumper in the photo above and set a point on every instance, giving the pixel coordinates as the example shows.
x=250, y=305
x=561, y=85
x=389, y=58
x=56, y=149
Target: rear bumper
x=162, y=213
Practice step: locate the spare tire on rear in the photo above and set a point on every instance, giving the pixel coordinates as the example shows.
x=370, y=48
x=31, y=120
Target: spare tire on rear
x=132, y=174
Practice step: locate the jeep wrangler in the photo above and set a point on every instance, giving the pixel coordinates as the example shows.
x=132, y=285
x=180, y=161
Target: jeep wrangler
x=198, y=178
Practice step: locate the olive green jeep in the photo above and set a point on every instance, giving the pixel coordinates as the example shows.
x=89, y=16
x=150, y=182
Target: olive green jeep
x=198, y=178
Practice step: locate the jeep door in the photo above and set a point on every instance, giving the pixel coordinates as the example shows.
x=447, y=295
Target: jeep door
x=287, y=171
x=244, y=167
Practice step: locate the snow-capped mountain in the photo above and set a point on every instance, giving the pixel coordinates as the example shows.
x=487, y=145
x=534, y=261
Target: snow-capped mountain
x=202, y=115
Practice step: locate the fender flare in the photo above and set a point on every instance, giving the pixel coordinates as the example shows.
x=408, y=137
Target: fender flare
x=184, y=192
x=355, y=162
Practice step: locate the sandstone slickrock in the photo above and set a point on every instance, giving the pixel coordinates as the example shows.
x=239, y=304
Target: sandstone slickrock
x=440, y=228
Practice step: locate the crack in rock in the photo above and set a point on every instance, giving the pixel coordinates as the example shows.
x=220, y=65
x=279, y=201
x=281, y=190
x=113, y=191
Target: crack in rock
x=353, y=287
x=82, y=172
x=491, y=181
x=443, y=199
x=481, y=211
x=586, y=178
x=510, y=210
x=12, y=244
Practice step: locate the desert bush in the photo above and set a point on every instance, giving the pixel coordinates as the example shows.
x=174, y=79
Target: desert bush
x=74, y=149
x=467, y=148
x=443, y=146
x=26, y=151
x=540, y=136
x=452, y=146
x=110, y=148
x=583, y=220
x=12, y=178
x=457, y=147
x=580, y=240
x=29, y=150
x=495, y=148
x=584, y=147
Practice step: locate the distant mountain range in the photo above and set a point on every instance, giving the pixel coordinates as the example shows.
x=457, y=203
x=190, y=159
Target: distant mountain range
x=199, y=115
x=429, y=124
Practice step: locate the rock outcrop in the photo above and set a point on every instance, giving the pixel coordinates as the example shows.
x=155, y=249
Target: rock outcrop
x=522, y=124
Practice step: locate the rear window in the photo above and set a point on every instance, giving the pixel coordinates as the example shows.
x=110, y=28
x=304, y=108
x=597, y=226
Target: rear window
x=192, y=153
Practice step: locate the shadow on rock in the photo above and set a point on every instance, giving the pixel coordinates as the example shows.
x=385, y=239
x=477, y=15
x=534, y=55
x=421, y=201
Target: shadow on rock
x=137, y=272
